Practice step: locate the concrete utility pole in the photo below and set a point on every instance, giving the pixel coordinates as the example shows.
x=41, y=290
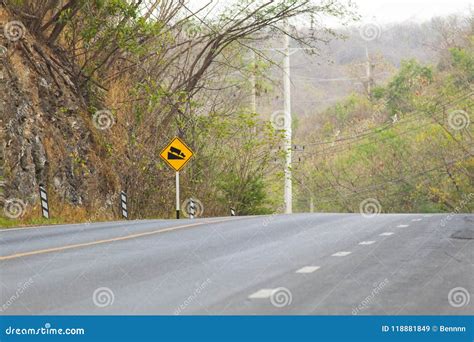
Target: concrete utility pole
x=368, y=71
x=287, y=52
x=287, y=109
x=253, y=81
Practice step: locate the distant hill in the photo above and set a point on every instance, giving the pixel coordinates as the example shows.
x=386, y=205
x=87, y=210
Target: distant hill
x=339, y=68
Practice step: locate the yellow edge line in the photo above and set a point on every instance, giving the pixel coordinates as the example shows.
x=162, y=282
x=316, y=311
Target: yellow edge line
x=98, y=242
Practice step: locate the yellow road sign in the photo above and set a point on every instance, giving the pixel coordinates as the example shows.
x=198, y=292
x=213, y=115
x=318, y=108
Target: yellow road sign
x=176, y=154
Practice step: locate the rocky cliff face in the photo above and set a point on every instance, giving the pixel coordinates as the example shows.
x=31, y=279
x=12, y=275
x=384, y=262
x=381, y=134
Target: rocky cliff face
x=47, y=134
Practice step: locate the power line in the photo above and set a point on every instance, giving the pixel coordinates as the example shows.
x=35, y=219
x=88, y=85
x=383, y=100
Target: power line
x=395, y=180
x=378, y=129
x=413, y=116
x=337, y=79
x=347, y=147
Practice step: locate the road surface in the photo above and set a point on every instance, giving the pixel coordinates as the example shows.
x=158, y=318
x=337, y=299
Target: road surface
x=320, y=264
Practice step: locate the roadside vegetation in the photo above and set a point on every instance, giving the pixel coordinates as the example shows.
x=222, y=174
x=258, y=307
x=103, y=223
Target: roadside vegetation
x=407, y=147
x=93, y=91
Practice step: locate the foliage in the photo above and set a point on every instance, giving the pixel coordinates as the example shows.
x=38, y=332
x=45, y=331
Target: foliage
x=163, y=71
x=408, y=151
x=406, y=85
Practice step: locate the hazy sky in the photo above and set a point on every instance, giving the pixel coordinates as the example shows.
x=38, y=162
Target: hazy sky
x=401, y=10
x=386, y=11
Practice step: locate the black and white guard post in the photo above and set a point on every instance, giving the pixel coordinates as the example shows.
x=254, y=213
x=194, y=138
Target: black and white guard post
x=192, y=208
x=123, y=204
x=232, y=212
x=44, y=201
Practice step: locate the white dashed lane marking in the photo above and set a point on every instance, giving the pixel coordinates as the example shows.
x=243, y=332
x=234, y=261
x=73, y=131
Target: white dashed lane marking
x=267, y=293
x=416, y=220
x=341, y=254
x=308, y=269
x=262, y=294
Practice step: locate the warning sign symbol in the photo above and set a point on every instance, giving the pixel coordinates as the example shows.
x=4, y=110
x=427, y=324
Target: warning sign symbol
x=176, y=154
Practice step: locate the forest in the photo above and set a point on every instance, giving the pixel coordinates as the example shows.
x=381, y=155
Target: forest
x=403, y=145
x=92, y=91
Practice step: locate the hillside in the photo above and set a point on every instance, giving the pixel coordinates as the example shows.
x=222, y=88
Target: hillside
x=406, y=148
x=91, y=94
x=48, y=135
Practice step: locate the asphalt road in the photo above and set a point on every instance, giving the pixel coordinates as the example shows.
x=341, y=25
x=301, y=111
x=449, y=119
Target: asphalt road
x=281, y=264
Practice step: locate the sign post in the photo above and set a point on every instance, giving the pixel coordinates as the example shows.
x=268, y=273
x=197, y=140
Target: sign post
x=177, y=195
x=176, y=154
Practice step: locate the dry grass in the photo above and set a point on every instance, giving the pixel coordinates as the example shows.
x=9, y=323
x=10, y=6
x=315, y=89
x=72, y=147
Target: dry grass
x=61, y=213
